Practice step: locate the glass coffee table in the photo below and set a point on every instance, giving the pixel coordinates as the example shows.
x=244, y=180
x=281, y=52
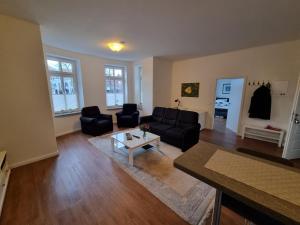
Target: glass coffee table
x=137, y=141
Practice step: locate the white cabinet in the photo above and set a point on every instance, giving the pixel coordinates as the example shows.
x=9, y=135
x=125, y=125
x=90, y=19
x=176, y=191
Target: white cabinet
x=263, y=134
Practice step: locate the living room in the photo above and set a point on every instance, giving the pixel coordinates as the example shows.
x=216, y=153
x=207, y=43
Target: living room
x=57, y=62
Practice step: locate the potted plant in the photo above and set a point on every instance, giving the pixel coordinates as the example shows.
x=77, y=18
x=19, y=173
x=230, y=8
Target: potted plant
x=144, y=127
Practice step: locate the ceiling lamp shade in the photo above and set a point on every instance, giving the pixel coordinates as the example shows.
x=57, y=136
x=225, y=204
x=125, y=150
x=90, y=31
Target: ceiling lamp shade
x=116, y=46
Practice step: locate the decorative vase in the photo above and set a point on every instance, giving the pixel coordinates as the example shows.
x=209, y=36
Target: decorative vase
x=144, y=134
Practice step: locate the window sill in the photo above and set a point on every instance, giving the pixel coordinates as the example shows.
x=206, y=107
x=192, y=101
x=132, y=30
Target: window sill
x=140, y=107
x=113, y=108
x=67, y=114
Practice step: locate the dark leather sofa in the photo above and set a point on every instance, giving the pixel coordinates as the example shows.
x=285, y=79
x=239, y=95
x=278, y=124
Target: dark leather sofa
x=95, y=123
x=176, y=127
x=129, y=116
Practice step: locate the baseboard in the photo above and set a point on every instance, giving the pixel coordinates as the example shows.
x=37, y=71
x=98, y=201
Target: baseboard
x=4, y=191
x=67, y=132
x=34, y=159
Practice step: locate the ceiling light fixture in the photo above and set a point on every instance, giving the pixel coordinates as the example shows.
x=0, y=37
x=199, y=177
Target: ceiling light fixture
x=116, y=46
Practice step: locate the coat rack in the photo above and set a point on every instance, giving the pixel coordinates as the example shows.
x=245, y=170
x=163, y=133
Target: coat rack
x=279, y=88
x=258, y=83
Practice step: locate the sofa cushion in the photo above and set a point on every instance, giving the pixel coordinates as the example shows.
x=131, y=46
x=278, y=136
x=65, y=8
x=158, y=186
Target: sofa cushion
x=103, y=123
x=186, y=119
x=175, y=132
x=126, y=117
x=159, y=128
x=87, y=120
x=170, y=116
x=158, y=114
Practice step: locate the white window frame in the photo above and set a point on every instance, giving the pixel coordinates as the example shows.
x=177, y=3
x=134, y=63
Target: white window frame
x=140, y=72
x=123, y=78
x=61, y=74
x=138, y=98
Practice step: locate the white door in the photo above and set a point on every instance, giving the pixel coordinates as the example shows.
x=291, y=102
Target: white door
x=234, y=110
x=292, y=145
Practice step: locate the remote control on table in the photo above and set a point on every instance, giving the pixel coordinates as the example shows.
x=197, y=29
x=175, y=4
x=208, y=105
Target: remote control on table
x=128, y=136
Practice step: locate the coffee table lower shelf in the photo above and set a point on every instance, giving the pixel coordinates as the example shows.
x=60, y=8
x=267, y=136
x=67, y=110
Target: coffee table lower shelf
x=135, y=143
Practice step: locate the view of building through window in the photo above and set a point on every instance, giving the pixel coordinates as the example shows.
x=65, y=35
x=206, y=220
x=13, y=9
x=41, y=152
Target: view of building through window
x=114, y=85
x=63, y=81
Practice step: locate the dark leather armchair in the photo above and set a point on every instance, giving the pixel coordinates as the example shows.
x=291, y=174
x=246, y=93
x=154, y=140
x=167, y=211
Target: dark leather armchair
x=129, y=116
x=95, y=123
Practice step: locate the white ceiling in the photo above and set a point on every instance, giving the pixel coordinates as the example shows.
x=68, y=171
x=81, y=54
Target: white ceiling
x=167, y=28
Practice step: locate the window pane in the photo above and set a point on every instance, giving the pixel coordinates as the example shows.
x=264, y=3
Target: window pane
x=110, y=95
x=118, y=73
x=56, y=86
x=106, y=71
x=53, y=65
x=57, y=94
x=114, y=86
x=71, y=97
x=119, y=93
x=111, y=72
x=66, y=67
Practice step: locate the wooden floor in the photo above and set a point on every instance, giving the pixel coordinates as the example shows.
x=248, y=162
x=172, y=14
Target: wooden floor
x=83, y=186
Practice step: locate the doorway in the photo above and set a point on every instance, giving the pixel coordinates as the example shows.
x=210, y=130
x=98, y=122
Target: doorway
x=228, y=104
x=292, y=144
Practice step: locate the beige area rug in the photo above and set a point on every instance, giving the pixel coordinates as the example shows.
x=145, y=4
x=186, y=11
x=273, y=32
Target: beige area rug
x=190, y=198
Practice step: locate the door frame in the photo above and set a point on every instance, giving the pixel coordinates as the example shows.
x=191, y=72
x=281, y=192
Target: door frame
x=242, y=102
x=291, y=118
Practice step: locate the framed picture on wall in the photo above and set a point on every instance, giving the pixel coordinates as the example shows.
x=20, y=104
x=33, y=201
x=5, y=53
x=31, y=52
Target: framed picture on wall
x=226, y=89
x=190, y=90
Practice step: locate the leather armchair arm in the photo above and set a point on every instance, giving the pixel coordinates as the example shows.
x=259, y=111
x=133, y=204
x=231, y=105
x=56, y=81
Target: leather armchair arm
x=118, y=114
x=84, y=119
x=146, y=119
x=136, y=114
x=106, y=116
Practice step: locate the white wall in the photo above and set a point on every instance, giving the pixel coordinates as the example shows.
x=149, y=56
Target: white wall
x=92, y=69
x=234, y=109
x=162, y=76
x=219, y=88
x=27, y=131
x=147, y=85
x=156, y=83
x=272, y=62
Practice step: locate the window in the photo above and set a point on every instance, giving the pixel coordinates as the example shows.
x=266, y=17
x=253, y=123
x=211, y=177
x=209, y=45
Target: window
x=64, y=86
x=140, y=93
x=114, y=85
x=138, y=85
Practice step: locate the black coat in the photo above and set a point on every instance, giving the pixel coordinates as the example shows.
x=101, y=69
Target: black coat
x=260, y=106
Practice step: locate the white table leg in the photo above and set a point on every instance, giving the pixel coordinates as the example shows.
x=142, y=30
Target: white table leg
x=157, y=147
x=113, y=144
x=130, y=157
x=217, y=208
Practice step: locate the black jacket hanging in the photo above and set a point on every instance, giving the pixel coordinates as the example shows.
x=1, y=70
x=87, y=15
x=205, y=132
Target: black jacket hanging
x=260, y=106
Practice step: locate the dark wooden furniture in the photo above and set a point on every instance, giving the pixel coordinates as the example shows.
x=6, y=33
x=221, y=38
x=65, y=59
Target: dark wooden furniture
x=193, y=162
x=242, y=209
x=221, y=111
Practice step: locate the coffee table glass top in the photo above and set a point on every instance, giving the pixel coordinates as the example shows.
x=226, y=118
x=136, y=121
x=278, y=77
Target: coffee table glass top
x=135, y=142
